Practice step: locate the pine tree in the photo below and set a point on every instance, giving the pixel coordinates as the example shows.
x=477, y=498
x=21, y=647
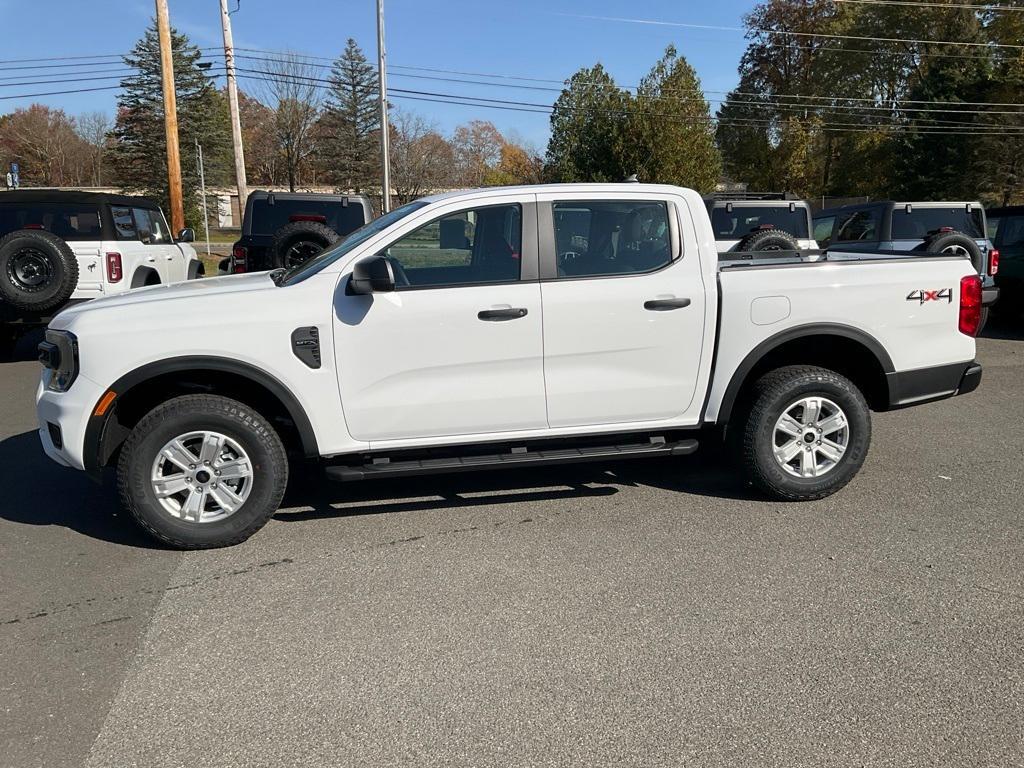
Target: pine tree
x=350, y=127
x=671, y=132
x=588, y=124
x=138, y=154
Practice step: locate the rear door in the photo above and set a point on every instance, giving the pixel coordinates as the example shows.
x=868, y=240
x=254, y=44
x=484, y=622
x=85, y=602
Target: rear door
x=624, y=309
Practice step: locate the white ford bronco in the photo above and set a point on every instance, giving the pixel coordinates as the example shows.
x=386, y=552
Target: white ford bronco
x=505, y=327
x=58, y=247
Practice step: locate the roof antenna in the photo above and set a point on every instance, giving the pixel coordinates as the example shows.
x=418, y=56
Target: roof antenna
x=631, y=179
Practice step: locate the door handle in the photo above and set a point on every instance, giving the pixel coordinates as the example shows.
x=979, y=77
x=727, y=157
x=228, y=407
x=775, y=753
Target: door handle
x=664, y=305
x=495, y=315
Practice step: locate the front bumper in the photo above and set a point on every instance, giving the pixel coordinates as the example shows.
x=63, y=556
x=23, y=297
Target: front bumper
x=924, y=384
x=66, y=414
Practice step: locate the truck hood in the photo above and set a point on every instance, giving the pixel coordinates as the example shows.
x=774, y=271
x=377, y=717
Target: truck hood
x=204, y=288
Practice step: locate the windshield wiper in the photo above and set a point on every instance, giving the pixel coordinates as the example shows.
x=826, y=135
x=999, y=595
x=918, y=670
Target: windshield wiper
x=277, y=275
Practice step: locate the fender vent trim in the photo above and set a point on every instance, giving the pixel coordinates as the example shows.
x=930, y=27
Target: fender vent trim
x=306, y=345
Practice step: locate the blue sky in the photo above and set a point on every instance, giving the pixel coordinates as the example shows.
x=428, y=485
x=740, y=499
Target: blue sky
x=544, y=39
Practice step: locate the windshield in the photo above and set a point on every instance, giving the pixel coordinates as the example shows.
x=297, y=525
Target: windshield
x=742, y=220
x=300, y=272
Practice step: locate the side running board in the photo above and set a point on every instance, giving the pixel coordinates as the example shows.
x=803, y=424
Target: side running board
x=515, y=457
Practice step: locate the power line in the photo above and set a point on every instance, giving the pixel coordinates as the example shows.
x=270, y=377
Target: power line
x=521, y=106
x=60, y=93
x=922, y=4
x=766, y=30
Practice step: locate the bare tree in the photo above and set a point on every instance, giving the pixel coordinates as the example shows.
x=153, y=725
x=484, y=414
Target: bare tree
x=44, y=141
x=477, y=150
x=94, y=129
x=292, y=89
x=422, y=160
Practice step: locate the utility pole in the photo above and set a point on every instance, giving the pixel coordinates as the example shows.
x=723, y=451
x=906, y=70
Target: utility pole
x=382, y=82
x=236, y=125
x=170, y=118
x=202, y=191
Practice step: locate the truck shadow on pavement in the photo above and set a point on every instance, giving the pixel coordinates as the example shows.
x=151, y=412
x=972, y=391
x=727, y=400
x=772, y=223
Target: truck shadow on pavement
x=699, y=475
x=38, y=492
x=45, y=494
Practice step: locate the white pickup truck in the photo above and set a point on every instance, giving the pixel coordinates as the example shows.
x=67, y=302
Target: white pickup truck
x=504, y=327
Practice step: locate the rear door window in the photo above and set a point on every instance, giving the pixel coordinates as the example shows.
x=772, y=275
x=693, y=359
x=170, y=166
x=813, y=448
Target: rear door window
x=823, y=229
x=857, y=226
x=267, y=218
x=595, y=238
x=70, y=221
x=921, y=222
x=742, y=220
x=124, y=223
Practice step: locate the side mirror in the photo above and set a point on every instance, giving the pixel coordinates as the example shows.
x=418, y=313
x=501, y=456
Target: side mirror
x=373, y=275
x=187, y=235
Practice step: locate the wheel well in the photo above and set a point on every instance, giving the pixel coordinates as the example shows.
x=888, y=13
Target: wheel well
x=141, y=398
x=846, y=356
x=145, y=276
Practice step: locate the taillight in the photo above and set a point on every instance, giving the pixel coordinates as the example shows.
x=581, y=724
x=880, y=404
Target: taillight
x=970, y=305
x=993, y=262
x=114, y=271
x=239, y=259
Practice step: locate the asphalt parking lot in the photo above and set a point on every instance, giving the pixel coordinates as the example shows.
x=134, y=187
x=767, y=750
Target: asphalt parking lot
x=649, y=613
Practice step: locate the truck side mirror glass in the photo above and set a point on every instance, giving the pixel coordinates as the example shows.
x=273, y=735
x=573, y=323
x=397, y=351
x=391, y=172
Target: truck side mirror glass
x=373, y=275
x=187, y=235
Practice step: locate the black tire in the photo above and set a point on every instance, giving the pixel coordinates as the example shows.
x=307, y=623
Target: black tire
x=768, y=240
x=190, y=413
x=778, y=391
x=954, y=242
x=300, y=241
x=38, y=270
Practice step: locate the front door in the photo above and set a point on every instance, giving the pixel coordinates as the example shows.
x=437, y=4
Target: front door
x=158, y=246
x=624, y=311
x=457, y=349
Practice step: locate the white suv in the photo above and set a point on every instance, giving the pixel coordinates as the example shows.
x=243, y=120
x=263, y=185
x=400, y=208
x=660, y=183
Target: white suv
x=59, y=246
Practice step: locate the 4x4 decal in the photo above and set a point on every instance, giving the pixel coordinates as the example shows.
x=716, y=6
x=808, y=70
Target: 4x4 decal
x=922, y=296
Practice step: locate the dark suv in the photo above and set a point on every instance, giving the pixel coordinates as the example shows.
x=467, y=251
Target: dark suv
x=282, y=229
x=1006, y=230
x=886, y=225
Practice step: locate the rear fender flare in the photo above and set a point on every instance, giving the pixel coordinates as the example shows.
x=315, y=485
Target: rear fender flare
x=758, y=353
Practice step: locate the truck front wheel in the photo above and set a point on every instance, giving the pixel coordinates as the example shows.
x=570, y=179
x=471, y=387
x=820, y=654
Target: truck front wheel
x=202, y=471
x=806, y=433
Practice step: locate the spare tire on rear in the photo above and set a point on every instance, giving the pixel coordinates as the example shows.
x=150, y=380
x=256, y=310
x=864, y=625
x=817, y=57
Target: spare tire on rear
x=38, y=270
x=954, y=243
x=300, y=241
x=768, y=240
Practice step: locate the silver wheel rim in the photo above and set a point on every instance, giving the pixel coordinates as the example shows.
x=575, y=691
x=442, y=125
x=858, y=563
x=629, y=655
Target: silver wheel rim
x=202, y=477
x=811, y=437
x=957, y=250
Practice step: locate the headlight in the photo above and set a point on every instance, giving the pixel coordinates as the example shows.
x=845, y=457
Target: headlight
x=59, y=353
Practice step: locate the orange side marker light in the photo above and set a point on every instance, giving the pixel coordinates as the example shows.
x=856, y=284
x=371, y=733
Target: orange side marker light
x=104, y=403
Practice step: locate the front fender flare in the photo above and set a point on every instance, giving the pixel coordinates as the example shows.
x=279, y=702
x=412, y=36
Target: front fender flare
x=94, y=432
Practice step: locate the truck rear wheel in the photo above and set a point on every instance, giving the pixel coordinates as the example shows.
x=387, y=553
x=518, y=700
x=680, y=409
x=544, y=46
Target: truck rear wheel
x=806, y=433
x=202, y=471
